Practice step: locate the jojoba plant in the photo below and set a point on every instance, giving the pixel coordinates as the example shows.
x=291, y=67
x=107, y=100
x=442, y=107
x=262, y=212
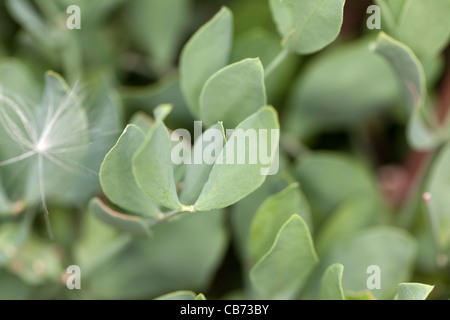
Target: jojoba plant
x=177, y=149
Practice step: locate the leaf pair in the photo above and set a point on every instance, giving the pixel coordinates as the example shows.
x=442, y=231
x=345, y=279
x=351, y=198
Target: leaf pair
x=138, y=172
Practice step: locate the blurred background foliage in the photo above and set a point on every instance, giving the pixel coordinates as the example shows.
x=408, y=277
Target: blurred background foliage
x=343, y=122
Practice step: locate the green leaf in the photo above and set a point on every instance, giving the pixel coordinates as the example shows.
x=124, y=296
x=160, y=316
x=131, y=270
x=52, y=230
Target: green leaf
x=321, y=176
x=243, y=212
x=24, y=12
x=116, y=175
x=164, y=23
x=37, y=262
x=423, y=131
x=143, y=121
x=362, y=295
x=386, y=247
x=271, y=215
x=153, y=167
x=282, y=272
x=178, y=295
x=229, y=183
x=413, y=291
x=200, y=296
x=356, y=213
x=307, y=26
x=126, y=222
x=422, y=25
x=331, y=285
x=367, y=87
x=205, y=53
x=438, y=185
x=198, y=174
x=233, y=93
x=184, y=253
x=259, y=42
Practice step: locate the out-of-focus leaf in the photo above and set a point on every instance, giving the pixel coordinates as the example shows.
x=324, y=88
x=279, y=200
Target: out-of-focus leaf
x=258, y=42
x=356, y=213
x=321, y=176
x=244, y=211
x=423, y=132
x=165, y=263
x=233, y=93
x=318, y=102
x=307, y=25
x=422, y=25
x=178, y=295
x=385, y=247
x=205, y=53
x=283, y=270
x=37, y=262
x=164, y=23
x=331, y=285
x=13, y=288
x=439, y=185
x=126, y=222
x=413, y=291
x=272, y=215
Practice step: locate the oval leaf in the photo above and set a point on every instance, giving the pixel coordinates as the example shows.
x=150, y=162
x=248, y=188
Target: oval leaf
x=205, y=53
x=282, y=272
x=271, y=215
x=153, y=166
x=331, y=285
x=307, y=25
x=229, y=183
x=116, y=175
x=233, y=93
x=413, y=291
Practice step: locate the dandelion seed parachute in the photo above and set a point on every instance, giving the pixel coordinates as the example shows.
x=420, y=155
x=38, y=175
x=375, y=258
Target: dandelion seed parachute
x=42, y=146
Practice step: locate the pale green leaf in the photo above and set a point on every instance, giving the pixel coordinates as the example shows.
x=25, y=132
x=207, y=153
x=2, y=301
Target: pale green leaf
x=200, y=296
x=178, y=295
x=282, y=271
x=321, y=176
x=116, y=175
x=271, y=215
x=233, y=93
x=153, y=167
x=366, y=88
x=331, y=285
x=385, y=247
x=413, y=291
x=197, y=174
x=230, y=182
x=126, y=222
x=423, y=25
x=423, y=132
x=307, y=25
x=205, y=53
x=158, y=26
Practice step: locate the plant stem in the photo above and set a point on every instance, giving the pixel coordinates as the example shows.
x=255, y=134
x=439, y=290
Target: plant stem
x=418, y=163
x=276, y=62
